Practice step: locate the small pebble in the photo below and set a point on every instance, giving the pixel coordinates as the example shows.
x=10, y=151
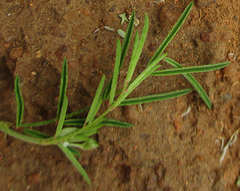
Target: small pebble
x=179, y=162
x=238, y=58
x=96, y=59
x=160, y=171
x=230, y=174
x=140, y=70
x=16, y=9
x=219, y=52
x=58, y=31
x=85, y=60
x=34, y=178
x=144, y=136
x=231, y=72
x=152, y=47
x=131, y=113
x=112, y=9
x=60, y=51
x=157, y=30
x=149, y=4
x=169, y=14
x=209, y=37
x=3, y=75
x=212, y=25
x=230, y=56
x=204, y=3
x=218, y=73
x=199, y=157
x=82, y=31
x=11, y=64
x=226, y=36
x=2, y=50
x=225, y=97
x=32, y=78
x=159, y=1
x=73, y=64
x=152, y=182
x=8, y=36
x=95, y=81
x=177, y=125
x=86, y=72
x=71, y=15
x=16, y=53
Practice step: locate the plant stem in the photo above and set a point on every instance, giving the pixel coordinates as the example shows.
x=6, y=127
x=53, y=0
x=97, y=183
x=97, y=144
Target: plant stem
x=5, y=128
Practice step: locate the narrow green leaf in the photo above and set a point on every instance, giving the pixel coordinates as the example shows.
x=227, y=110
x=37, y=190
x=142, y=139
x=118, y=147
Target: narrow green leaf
x=62, y=116
x=133, y=62
x=136, y=43
x=137, y=50
x=20, y=104
x=63, y=87
x=98, y=105
x=90, y=131
x=173, y=32
x=79, y=138
x=191, y=69
x=97, y=101
x=74, y=151
x=111, y=122
x=116, y=72
x=74, y=122
x=107, y=89
x=127, y=38
x=126, y=42
x=67, y=131
x=152, y=98
x=77, y=112
x=4, y=127
x=40, y=123
x=193, y=81
x=35, y=133
x=74, y=161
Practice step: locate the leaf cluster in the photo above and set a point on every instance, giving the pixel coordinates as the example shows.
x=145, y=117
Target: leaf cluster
x=73, y=133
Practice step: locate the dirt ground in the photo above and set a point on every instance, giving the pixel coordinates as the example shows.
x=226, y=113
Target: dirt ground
x=164, y=150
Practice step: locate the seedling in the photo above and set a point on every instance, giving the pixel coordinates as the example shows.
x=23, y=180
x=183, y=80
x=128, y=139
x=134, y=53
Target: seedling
x=76, y=133
x=232, y=140
x=123, y=17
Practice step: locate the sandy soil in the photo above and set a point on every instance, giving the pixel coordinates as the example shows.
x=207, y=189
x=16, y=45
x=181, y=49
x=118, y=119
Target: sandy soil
x=163, y=151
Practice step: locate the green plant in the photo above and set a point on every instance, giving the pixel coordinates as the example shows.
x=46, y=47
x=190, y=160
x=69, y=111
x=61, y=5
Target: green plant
x=76, y=132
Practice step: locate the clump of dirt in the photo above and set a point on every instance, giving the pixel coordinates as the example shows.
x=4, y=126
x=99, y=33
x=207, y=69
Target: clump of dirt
x=164, y=150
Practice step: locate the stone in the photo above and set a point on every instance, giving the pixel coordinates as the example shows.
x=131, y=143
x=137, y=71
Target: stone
x=16, y=53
